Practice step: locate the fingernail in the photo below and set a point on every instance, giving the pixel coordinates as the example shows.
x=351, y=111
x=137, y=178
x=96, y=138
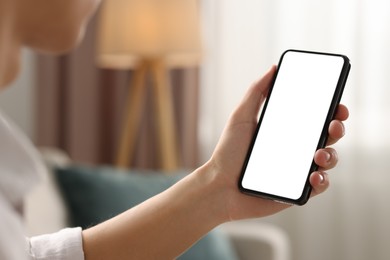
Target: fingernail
x=327, y=156
x=322, y=178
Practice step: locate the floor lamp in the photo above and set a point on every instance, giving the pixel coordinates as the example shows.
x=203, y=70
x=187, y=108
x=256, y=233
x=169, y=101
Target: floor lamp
x=150, y=37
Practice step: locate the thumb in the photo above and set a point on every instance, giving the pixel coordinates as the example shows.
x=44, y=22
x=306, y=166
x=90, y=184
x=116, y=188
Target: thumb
x=250, y=105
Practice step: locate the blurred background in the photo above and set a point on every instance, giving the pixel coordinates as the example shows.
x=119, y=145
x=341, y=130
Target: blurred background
x=71, y=103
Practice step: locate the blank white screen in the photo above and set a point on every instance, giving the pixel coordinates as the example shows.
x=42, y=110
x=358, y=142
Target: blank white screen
x=292, y=124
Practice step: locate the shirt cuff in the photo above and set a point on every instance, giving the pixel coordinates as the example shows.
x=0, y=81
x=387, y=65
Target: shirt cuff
x=65, y=244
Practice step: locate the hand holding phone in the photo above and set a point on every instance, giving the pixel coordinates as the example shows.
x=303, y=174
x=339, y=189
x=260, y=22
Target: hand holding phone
x=293, y=124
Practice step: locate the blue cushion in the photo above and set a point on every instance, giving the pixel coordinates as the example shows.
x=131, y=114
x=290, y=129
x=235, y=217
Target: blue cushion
x=95, y=194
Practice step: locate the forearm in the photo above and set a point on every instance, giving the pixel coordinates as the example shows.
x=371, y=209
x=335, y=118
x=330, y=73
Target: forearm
x=163, y=226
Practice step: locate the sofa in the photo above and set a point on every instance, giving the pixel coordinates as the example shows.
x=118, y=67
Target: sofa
x=47, y=209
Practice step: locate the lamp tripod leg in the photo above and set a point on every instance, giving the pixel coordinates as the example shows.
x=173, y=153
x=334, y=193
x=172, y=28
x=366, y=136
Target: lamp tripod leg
x=165, y=113
x=133, y=112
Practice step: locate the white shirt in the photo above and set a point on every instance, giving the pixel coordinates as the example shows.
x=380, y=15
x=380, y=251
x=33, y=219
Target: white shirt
x=20, y=164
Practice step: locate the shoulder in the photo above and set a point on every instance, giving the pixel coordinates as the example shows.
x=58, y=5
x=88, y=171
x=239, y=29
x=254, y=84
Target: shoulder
x=20, y=162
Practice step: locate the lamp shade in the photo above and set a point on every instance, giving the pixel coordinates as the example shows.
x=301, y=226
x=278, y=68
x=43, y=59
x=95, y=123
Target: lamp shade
x=130, y=30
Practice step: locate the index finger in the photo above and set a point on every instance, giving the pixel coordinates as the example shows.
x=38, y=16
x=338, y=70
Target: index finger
x=342, y=113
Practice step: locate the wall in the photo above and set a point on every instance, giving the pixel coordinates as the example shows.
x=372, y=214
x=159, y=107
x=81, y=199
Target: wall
x=243, y=38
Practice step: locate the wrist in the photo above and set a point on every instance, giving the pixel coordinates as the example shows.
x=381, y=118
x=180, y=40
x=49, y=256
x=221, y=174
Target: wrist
x=214, y=192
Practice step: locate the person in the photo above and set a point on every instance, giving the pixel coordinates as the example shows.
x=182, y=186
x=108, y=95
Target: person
x=163, y=226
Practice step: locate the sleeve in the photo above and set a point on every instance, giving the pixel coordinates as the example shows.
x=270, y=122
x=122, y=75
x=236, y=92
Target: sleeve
x=63, y=245
x=12, y=244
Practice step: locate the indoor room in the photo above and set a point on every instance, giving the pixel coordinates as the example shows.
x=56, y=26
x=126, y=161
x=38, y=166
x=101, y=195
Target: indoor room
x=144, y=98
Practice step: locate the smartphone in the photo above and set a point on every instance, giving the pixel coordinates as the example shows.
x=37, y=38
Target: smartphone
x=293, y=124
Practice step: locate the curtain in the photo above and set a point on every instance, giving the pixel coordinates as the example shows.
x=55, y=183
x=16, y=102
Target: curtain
x=80, y=109
x=243, y=39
